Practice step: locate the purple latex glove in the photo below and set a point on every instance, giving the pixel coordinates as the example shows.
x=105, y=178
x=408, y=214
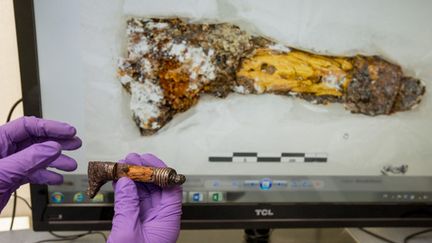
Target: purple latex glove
x=28, y=146
x=145, y=212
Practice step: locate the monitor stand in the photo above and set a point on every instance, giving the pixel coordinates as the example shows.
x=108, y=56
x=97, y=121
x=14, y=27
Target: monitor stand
x=257, y=235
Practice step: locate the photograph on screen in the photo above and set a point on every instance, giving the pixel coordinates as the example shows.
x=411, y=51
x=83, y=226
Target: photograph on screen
x=249, y=100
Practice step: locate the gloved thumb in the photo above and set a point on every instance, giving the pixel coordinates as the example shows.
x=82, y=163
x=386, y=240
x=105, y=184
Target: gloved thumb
x=35, y=157
x=126, y=224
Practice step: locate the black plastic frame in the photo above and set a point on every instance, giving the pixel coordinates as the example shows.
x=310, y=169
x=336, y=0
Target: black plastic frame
x=208, y=216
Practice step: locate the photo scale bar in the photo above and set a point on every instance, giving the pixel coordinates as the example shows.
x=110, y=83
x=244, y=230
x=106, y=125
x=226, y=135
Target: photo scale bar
x=293, y=154
x=269, y=159
x=311, y=160
x=220, y=159
x=246, y=157
x=245, y=154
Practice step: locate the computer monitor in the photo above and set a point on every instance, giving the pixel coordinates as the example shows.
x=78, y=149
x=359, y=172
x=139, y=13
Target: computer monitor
x=251, y=161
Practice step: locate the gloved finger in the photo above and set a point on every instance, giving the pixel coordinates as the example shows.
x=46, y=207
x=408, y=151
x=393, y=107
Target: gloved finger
x=169, y=204
x=27, y=127
x=37, y=156
x=150, y=206
x=64, y=162
x=148, y=200
x=144, y=189
x=66, y=143
x=125, y=192
x=132, y=159
x=146, y=204
x=136, y=159
x=43, y=176
x=172, y=196
x=152, y=160
x=126, y=211
x=155, y=203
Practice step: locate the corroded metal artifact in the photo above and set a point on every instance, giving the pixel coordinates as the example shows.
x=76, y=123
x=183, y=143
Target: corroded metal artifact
x=170, y=63
x=101, y=172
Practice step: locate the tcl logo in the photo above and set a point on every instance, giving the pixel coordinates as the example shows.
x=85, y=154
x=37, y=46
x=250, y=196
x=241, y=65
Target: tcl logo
x=263, y=212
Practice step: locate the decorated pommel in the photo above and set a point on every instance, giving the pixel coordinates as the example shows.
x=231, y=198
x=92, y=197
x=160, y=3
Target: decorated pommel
x=101, y=172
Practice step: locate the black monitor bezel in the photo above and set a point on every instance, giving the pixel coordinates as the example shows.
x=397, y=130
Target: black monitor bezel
x=196, y=216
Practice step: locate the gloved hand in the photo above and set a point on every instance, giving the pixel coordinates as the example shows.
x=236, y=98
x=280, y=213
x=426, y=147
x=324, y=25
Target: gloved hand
x=28, y=146
x=145, y=212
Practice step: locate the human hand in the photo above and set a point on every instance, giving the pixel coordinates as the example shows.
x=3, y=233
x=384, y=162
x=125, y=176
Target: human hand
x=28, y=146
x=145, y=212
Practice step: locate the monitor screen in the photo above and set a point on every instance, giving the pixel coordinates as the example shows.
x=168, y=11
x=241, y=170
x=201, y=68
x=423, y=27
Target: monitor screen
x=148, y=77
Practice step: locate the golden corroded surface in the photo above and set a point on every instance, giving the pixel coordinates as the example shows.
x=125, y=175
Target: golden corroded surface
x=175, y=82
x=296, y=71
